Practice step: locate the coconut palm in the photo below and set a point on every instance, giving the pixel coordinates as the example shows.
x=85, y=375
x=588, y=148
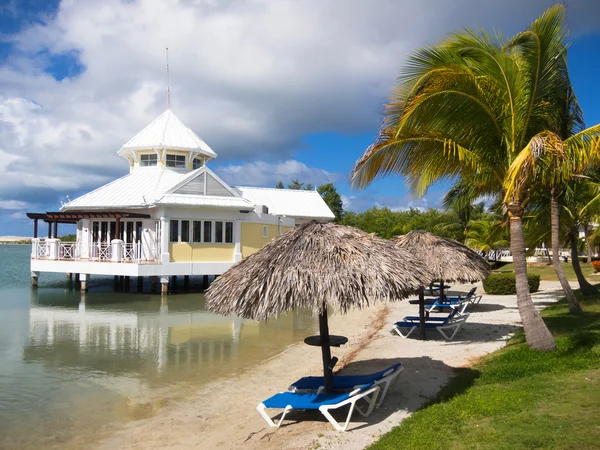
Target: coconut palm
x=486, y=235
x=463, y=111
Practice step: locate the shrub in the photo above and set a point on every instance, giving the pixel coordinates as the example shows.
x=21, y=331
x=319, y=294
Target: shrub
x=505, y=284
x=596, y=266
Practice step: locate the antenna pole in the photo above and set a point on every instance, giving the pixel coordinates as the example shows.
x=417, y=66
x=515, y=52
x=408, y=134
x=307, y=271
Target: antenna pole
x=168, y=83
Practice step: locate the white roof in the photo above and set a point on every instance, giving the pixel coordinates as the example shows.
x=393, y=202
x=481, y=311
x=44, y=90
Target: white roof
x=289, y=202
x=138, y=189
x=167, y=131
x=206, y=200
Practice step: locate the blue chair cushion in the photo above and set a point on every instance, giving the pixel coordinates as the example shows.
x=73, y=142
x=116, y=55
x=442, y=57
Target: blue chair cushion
x=342, y=381
x=307, y=400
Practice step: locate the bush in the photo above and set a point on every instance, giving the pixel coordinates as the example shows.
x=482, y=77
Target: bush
x=505, y=284
x=596, y=266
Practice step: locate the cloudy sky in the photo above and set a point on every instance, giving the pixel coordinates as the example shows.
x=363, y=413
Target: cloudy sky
x=280, y=89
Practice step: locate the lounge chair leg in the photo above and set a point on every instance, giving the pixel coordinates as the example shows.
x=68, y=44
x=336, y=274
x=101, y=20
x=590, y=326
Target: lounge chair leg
x=261, y=410
x=397, y=331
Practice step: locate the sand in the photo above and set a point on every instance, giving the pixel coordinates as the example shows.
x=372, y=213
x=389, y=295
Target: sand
x=222, y=414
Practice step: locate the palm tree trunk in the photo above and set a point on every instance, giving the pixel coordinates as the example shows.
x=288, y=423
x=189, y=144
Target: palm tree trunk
x=574, y=307
x=588, y=242
x=584, y=285
x=536, y=332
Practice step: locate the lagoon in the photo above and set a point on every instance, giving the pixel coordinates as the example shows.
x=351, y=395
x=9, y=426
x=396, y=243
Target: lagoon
x=74, y=366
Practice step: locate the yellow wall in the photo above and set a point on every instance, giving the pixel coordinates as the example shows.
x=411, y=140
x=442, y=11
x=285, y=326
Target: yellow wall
x=252, y=239
x=186, y=252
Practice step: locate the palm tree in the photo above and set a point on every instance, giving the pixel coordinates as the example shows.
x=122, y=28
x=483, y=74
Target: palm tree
x=464, y=110
x=486, y=235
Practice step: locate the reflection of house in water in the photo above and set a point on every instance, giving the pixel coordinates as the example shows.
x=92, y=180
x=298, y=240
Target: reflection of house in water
x=152, y=343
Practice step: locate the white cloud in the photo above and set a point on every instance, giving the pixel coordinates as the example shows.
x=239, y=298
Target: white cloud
x=12, y=204
x=261, y=173
x=251, y=77
x=18, y=216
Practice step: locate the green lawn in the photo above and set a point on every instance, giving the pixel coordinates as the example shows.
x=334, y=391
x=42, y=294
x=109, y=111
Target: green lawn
x=516, y=398
x=546, y=271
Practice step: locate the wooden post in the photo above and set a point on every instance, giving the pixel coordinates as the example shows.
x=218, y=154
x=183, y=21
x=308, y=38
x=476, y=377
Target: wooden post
x=140, y=284
x=34, y=279
x=186, y=282
x=154, y=284
x=422, y=314
x=326, y=351
x=49, y=229
x=55, y=229
x=117, y=226
x=164, y=285
x=69, y=276
x=204, y=282
x=35, y=228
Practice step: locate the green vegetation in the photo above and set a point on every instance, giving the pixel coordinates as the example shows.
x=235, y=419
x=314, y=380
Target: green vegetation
x=517, y=398
x=546, y=271
x=387, y=223
x=505, y=283
x=68, y=238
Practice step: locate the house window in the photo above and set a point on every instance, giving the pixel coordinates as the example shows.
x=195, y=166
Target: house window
x=197, y=231
x=185, y=231
x=177, y=161
x=207, y=234
x=229, y=232
x=265, y=230
x=148, y=160
x=174, y=231
x=219, y=232
x=197, y=163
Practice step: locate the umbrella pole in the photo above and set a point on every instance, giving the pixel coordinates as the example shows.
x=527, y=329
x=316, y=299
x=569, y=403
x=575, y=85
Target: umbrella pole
x=442, y=296
x=422, y=314
x=326, y=350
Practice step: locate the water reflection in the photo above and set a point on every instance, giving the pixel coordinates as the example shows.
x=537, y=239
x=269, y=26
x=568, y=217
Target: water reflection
x=157, y=340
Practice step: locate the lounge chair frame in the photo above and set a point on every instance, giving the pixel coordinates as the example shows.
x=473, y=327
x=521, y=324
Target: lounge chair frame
x=352, y=400
x=386, y=380
x=447, y=329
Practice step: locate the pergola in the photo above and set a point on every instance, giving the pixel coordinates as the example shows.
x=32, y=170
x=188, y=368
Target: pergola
x=72, y=217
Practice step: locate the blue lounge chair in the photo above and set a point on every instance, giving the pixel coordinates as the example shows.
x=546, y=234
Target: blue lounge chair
x=385, y=378
x=321, y=401
x=453, y=299
x=451, y=323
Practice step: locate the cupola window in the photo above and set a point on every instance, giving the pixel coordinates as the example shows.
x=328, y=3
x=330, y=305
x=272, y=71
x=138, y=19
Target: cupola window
x=177, y=161
x=197, y=163
x=148, y=160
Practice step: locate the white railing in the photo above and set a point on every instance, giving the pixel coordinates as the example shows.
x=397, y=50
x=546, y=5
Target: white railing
x=68, y=250
x=41, y=250
x=131, y=252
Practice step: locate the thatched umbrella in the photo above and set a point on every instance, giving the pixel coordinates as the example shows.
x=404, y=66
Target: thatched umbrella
x=445, y=259
x=312, y=265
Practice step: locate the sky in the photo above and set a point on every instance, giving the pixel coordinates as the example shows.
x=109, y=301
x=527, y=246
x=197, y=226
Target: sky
x=279, y=89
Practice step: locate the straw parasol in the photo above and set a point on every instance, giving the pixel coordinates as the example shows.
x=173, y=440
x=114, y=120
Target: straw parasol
x=312, y=265
x=446, y=259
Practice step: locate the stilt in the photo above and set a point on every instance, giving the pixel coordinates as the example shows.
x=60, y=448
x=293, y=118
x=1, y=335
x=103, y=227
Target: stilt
x=154, y=284
x=164, y=285
x=204, y=282
x=69, y=276
x=127, y=281
x=186, y=282
x=76, y=278
x=34, y=279
x=140, y=284
x=84, y=277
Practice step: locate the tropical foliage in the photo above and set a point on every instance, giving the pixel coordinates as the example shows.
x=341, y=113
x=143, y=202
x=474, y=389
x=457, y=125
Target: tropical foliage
x=479, y=111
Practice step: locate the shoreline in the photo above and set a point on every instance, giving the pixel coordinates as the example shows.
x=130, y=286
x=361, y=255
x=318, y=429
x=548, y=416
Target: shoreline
x=222, y=413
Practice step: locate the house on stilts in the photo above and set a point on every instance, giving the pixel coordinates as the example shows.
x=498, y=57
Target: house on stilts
x=171, y=215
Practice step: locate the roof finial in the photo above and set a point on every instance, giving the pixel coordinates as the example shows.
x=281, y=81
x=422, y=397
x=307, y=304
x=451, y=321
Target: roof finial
x=168, y=83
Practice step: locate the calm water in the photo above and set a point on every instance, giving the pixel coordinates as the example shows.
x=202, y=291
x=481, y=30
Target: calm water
x=73, y=365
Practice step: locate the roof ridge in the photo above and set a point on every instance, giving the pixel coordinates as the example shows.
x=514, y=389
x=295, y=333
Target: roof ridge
x=275, y=189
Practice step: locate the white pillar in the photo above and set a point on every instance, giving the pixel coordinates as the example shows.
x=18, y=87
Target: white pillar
x=84, y=239
x=237, y=232
x=34, y=247
x=116, y=250
x=53, y=248
x=164, y=240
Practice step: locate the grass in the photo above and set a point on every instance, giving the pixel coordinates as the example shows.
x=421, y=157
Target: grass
x=516, y=398
x=546, y=271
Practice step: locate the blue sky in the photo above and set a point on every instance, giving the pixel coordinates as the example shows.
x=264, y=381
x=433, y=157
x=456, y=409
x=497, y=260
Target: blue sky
x=280, y=90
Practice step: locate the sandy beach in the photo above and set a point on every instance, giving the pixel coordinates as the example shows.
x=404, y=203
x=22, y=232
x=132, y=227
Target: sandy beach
x=222, y=414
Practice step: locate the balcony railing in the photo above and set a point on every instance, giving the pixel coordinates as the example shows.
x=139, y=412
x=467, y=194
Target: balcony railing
x=53, y=249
